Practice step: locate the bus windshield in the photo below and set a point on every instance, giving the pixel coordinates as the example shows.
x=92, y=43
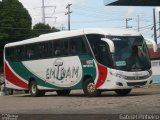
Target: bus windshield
x=131, y=54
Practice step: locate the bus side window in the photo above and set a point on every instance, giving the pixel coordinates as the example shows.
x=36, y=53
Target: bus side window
x=19, y=53
x=65, y=47
x=57, y=48
x=10, y=56
x=39, y=50
x=77, y=46
x=73, y=47
x=60, y=47
x=31, y=52
x=44, y=50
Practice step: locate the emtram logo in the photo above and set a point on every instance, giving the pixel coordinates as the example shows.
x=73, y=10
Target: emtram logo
x=60, y=71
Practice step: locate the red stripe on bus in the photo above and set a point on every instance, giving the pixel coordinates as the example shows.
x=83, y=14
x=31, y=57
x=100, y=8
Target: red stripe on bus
x=11, y=77
x=102, y=75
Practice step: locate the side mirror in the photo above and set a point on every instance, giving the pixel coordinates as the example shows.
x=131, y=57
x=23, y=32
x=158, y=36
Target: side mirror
x=110, y=43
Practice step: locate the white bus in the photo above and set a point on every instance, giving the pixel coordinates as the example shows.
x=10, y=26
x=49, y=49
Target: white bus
x=94, y=60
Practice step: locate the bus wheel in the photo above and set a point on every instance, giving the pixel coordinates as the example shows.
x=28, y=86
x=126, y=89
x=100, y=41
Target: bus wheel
x=89, y=89
x=33, y=89
x=63, y=92
x=123, y=92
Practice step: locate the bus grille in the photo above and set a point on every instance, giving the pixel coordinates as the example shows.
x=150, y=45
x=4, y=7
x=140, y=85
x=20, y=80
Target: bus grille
x=136, y=83
x=137, y=78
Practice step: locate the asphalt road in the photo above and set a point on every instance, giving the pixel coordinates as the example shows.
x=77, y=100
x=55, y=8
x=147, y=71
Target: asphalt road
x=141, y=100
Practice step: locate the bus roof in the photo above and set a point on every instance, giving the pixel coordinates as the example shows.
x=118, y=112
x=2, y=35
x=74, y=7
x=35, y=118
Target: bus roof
x=72, y=33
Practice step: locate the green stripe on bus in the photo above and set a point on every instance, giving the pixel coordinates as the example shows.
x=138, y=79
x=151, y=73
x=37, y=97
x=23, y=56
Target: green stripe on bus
x=23, y=72
x=88, y=67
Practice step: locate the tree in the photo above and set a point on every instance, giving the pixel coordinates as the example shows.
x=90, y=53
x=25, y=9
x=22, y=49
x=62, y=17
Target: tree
x=15, y=20
x=41, y=28
x=15, y=23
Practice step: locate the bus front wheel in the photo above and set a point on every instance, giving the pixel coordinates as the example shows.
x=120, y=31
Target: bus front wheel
x=63, y=92
x=34, y=90
x=123, y=92
x=89, y=89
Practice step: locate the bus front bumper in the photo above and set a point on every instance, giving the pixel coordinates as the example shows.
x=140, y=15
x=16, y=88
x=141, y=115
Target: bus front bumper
x=120, y=83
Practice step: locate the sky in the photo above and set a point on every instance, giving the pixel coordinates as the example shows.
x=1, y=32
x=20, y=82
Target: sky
x=92, y=13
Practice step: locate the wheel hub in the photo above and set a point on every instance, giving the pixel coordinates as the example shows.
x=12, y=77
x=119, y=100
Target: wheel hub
x=91, y=88
x=34, y=89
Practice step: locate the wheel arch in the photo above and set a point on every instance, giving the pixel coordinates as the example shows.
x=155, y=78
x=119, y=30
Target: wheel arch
x=87, y=77
x=31, y=79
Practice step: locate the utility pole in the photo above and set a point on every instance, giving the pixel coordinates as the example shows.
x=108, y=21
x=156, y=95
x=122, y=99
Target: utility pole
x=128, y=19
x=159, y=24
x=44, y=14
x=68, y=13
x=138, y=23
x=63, y=28
x=154, y=21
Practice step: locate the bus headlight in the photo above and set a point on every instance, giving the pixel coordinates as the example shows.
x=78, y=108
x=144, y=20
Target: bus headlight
x=118, y=75
x=121, y=76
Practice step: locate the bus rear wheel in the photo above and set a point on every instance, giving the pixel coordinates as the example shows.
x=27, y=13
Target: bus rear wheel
x=89, y=89
x=123, y=92
x=34, y=90
x=63, y=92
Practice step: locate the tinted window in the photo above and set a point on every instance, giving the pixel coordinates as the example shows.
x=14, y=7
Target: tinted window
x=100, y=49
x=19, y=53
x=10, y=56
x=44, y=50
x=77, y=46
x=57, y=50
x=61, y=47
x=131, y=53
x=30, y=53
x=65, y=47
x=15, y=53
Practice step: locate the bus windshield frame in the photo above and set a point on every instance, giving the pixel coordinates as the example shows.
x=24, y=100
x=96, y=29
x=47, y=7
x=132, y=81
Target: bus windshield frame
x=131, y=53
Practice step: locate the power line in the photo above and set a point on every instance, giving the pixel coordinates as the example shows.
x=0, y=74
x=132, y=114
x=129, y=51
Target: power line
x=23, y=28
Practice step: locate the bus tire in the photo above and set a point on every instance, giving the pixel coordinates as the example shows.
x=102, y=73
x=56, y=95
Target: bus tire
x=63, y=92
x=123, y=92
x=89, y=89
x=34, y=89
